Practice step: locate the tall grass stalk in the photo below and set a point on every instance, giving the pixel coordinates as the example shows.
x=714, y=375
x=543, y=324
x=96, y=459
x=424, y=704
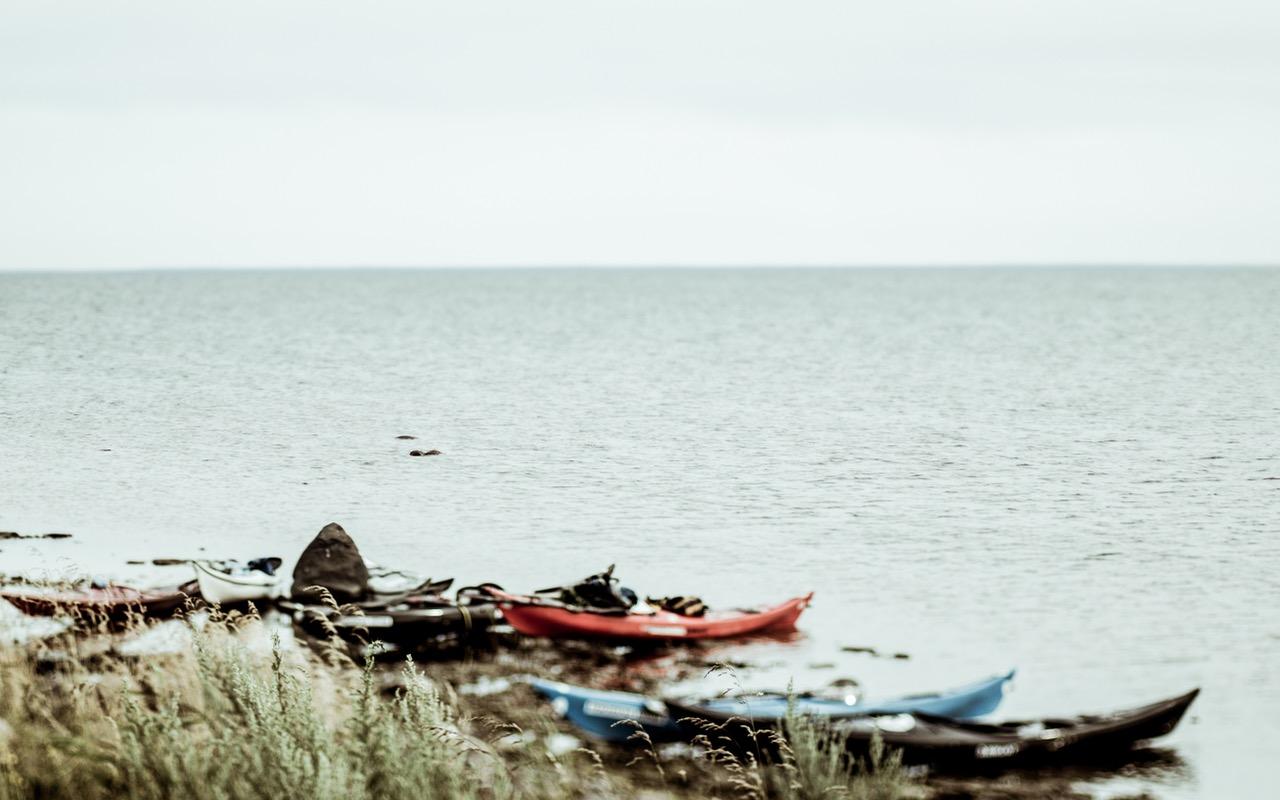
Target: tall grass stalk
x=219, y=723
x=225, y=720
x=803, y=759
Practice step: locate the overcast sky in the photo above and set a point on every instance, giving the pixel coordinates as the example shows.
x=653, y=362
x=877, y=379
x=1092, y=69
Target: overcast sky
x=165, y=133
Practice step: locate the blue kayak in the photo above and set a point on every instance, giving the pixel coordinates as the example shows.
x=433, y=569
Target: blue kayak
x=614, y=716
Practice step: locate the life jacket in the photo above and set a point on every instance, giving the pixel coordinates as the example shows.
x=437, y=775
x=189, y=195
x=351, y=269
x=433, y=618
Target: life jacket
x=680, y=604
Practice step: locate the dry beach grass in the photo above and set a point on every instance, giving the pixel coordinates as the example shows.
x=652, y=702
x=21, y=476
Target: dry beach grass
x=229, y=712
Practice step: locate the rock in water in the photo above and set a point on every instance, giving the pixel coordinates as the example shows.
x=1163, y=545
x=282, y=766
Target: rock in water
x=16, y=535
x=333, y=561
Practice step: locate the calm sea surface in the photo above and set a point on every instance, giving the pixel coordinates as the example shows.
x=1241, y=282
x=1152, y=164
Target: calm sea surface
x=1074, y=472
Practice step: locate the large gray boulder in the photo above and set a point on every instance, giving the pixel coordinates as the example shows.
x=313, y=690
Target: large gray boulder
x=333, y=561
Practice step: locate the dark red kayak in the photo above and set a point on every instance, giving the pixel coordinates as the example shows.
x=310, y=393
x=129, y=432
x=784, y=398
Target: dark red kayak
x=112, y=602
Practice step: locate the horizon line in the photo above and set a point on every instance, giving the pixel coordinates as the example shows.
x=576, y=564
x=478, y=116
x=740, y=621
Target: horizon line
x=637, y=267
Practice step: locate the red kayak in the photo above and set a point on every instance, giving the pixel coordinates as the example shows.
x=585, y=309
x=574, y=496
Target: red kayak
x=535, y=616
x=113, y=602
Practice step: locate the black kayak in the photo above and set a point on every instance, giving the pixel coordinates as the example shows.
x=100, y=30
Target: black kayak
x=956, y=745
x=404, y=624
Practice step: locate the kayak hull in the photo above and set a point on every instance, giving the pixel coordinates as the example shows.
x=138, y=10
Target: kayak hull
x=405, y=626
x=222, y=588
x=958, y=746
x=114, y=603
x=972, y=700
x=616, y=716
x=538, y=619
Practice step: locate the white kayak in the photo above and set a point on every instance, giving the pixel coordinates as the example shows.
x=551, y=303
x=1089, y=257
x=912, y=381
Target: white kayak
x=387, y=582
x=229, y=582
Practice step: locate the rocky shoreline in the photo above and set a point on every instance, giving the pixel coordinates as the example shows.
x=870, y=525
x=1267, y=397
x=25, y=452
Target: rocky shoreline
x=490, y=701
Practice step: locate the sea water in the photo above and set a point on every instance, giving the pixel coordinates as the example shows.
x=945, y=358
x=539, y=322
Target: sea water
x=1074, y=472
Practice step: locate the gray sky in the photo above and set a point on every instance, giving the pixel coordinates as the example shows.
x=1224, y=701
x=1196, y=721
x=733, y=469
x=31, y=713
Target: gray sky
x=301, y=132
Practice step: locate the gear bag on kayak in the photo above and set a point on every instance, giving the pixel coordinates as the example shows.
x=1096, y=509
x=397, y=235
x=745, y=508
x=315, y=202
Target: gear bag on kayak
x=601, y=591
